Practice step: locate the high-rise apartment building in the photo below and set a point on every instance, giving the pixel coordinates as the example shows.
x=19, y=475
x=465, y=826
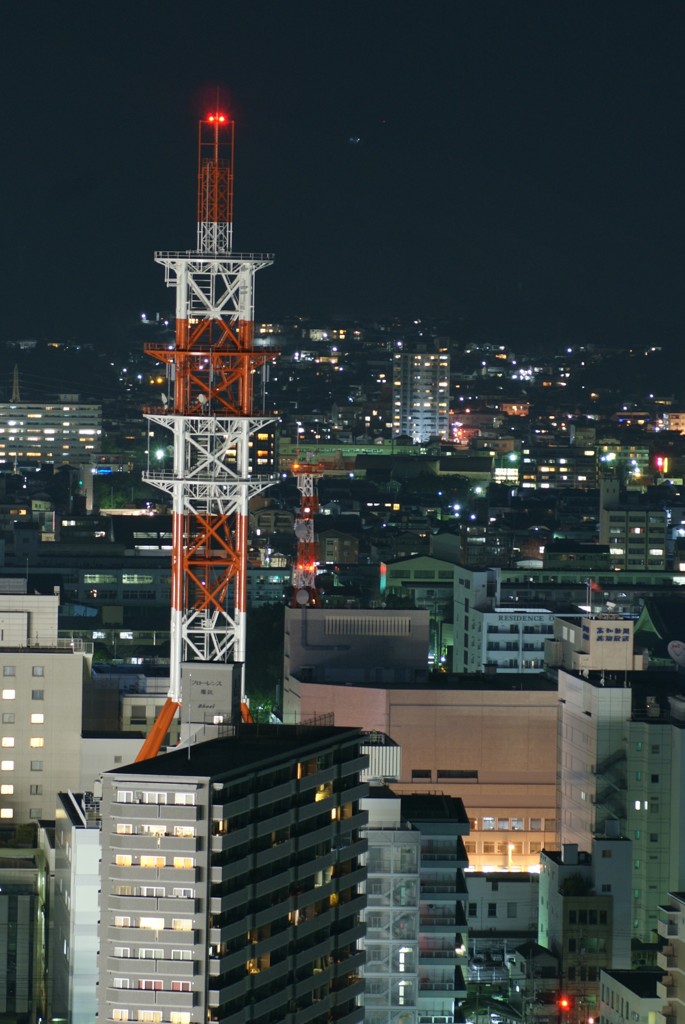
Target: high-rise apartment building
x=232, y=881
x=421, y=395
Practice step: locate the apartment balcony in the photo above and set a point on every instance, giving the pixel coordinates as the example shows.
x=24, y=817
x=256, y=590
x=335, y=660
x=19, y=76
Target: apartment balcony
x=441, y=891
x=666, y=988
x=665, y=958
x=437, y=957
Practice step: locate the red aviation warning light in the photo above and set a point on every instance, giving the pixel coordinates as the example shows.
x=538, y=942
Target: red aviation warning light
x=565, y=1004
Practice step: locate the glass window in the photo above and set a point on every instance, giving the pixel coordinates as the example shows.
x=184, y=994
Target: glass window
x=6, y=812
x=36, y=790
x=492, y=910
x=38, y=718
x=9, y=670
x=36, y=741
x=6, y=789
x=182, y=924
x=152, y=861
x=38, y=670
x=536, y=824
x=8, y=718
x=123, y=860
x=184, y=862
x=155, y=923
x=7, y=741
x=37, y=694
x=7, y=766
x=35, y=812
x=36, y=766
x=9, y=694
x=503, y=824
x=488, y=824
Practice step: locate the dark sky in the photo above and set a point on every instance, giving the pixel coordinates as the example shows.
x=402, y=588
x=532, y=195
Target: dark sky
x=519, y=166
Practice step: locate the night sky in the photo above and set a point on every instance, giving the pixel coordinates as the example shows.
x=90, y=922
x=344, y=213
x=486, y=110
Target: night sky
x=515, y=168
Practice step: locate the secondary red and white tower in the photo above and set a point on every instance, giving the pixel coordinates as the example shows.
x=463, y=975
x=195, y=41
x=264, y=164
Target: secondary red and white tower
x=209, y=415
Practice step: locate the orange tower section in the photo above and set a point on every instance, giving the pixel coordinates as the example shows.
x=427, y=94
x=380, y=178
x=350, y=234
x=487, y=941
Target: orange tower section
x=209, y=415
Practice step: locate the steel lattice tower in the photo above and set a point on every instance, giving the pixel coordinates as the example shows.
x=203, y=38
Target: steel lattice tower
x=209, y=415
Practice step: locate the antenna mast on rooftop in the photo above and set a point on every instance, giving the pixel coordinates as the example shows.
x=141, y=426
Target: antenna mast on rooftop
x=209, y=416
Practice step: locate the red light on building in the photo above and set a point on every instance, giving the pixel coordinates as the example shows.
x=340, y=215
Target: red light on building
x=564, y=1003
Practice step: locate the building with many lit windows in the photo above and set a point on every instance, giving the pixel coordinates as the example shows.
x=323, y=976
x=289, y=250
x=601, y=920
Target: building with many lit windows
x=421, y=395
x=232, y=881
x=62, y=431
x=41, y=696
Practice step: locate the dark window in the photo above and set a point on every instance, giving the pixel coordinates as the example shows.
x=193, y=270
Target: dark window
x=655, y=778
x=492, y=910
x=421, y=773
x=571, y=945
x=571, y=917
x=473, y=909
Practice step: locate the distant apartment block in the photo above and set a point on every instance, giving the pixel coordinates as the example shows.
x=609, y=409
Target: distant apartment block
x=40, y=707
x=421, y=395
x=63, y=431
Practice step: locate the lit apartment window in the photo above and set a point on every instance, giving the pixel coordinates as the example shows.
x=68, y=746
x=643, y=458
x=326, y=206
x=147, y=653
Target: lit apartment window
x=123, y=860
x=38, y=719
x=9, y=694
x=7, y=741
x=36, y=741
x=180, y=1017
x=184, y=862
x=124, y=796
x=150, y=861
x=187, y=831
x=7, y=766
x=184, y=798
x=154, y=923
x=150, y=1016
x=182, y=924
x=119, y=1014
x=6, y=789
x=6, y=812
x=124, y=829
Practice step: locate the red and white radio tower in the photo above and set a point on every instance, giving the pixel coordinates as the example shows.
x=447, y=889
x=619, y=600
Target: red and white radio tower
x=209, y=415
x=304, y=591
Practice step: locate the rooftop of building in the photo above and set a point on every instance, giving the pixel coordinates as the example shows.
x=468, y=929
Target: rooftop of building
x=251, y=747
x=641, y=981
x=433, y=807
x=499, y=681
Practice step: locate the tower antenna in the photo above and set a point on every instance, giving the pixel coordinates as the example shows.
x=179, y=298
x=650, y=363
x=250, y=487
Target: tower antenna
x=210, y=418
